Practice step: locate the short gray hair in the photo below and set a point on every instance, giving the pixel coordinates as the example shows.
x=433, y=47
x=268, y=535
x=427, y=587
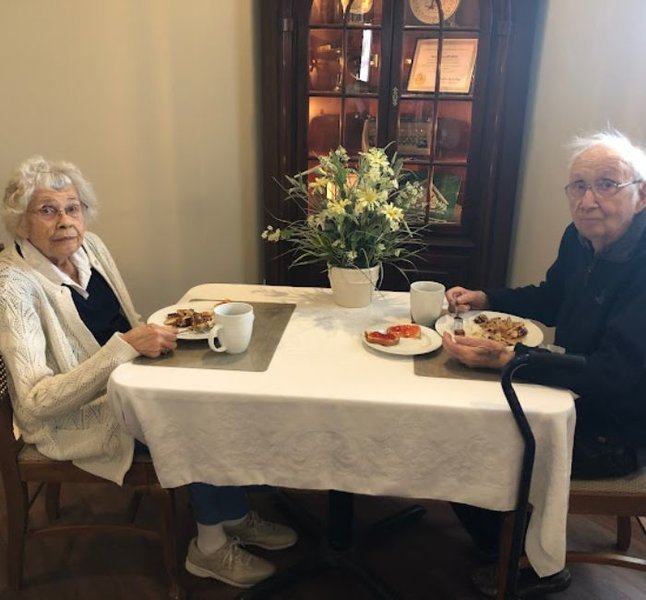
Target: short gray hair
x=632, y=154
x=37, y=173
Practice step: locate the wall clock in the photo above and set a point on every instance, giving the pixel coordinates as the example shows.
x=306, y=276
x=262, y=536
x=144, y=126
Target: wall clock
x=426, y=10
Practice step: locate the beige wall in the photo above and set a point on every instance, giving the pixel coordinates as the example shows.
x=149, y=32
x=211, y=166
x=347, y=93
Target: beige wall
x=156, y=101
x=589, y=73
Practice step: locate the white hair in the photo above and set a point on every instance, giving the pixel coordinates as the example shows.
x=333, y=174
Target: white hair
x=631, y=154
x=38, y=173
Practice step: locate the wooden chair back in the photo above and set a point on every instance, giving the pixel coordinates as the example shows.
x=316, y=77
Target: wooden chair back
x=21, y=463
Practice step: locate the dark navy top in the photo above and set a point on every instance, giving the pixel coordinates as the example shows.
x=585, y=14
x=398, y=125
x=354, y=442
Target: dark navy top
x=101, y=312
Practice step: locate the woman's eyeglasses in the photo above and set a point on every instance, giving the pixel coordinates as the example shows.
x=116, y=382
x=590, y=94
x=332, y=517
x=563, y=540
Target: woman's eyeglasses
x=601, y=188
x=51, y=213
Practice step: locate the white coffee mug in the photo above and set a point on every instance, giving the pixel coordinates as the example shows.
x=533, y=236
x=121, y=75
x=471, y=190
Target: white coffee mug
x=426, y=298
x=233, y=327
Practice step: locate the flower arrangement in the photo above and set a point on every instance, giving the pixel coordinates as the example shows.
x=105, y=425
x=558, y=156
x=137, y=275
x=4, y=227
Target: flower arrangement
x=352, y=217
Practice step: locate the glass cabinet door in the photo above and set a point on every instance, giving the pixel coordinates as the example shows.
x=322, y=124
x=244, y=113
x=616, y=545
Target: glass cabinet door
x=430, y=129
x=344, y=74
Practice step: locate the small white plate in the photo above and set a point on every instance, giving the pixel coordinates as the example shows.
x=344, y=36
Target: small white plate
x=445, y=323
x=429, y=341
x=159, y=316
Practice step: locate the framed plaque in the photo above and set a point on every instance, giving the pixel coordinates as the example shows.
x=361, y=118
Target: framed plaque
x=458, y=64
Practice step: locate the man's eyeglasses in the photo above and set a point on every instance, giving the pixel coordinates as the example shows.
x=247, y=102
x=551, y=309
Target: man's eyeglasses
x=50, y=213
x=601, y=188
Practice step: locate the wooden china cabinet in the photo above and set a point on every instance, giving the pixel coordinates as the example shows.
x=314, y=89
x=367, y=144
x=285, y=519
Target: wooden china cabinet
x=444, y=80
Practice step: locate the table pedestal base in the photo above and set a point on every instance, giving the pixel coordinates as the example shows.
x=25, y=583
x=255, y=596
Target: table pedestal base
x=338, y=552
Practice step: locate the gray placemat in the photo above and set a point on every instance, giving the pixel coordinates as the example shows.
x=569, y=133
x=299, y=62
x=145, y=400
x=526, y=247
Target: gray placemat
x=440, y=364
x=270, y=321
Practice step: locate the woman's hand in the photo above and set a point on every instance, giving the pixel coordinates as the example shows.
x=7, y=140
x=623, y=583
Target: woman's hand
x=152, y=340
x=477, y=352
x=462, y=300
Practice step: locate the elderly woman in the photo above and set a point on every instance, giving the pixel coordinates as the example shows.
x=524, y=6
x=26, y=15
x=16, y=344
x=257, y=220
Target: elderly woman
x=594, y=294
x=66, y=321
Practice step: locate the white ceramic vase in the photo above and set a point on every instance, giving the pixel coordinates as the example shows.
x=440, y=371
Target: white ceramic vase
x=353, y=288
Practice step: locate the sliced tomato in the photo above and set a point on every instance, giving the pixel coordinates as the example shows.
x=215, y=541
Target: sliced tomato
x=409, y=330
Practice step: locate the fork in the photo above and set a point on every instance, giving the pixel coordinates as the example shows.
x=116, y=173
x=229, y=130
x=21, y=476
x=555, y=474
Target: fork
x=458, y=323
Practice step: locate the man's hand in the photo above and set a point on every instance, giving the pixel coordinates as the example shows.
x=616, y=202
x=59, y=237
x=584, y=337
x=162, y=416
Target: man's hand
x=152, y=340
x=462, y=299
x=477, y=352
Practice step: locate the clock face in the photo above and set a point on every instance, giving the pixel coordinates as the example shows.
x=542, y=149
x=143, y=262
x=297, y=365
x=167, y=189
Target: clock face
x=426, y=10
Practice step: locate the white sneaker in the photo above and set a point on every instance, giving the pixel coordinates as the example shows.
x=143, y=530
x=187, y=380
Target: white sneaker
x=254, y=531
x=230, y=564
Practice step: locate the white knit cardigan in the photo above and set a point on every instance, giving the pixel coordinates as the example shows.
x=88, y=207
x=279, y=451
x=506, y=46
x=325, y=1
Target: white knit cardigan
x=57, y=370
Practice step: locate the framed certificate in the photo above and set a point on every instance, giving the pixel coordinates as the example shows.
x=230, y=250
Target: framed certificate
x=458, y=63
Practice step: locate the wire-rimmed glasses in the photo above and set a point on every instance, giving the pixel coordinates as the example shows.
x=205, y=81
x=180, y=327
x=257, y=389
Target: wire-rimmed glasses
x=47, y=212
x=601, y=188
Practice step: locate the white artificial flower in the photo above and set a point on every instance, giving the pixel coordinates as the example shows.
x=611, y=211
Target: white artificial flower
x=274, y=236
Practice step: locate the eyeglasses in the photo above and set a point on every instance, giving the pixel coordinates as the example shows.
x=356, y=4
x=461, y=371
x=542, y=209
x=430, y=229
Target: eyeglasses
x=601, y=188
x=51, y=213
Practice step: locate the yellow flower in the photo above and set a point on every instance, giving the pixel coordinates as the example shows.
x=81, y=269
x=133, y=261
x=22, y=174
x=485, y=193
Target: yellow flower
x=336, y=208
x=368, y=199
x=319, y=185
x=393, y=214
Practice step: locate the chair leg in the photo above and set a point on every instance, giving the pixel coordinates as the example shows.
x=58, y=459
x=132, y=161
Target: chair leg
x=53, y=501
x=168, y=541
x=503, y=553
x=135, y=503
x=624, y=533
x=17, y=510
x=641, y=521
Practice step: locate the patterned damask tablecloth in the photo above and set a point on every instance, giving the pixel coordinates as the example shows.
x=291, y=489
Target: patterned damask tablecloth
x=330, y=413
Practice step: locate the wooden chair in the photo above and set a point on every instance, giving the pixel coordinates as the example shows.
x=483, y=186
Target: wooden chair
x=622, y=497
x=625, y=498
x=21, y=464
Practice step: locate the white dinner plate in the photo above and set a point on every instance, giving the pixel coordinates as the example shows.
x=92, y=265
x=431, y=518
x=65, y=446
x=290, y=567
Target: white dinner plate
x=429, y=341
x=445, y=323
x=159, y=316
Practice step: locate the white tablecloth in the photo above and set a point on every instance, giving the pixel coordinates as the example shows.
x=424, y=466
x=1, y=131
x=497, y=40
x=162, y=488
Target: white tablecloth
x=330, y=413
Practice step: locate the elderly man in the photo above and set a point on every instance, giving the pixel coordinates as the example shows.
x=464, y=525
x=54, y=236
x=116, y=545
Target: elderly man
x=594, y=294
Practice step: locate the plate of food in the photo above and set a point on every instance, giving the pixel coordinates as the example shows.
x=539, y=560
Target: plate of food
x=491, y=325
x=405, y=339
x=193, y=319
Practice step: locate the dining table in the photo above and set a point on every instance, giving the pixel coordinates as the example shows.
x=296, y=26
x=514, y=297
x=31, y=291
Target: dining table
x=310, y=405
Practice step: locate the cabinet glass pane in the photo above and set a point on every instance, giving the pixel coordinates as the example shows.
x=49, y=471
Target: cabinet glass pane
x=457, y=13
x=453, y=131
x=356, y=12
x=326, y=60
x=362, y=61
x=360, y=124
x=324, y=130
x=419, y=62
x=444, y=203
x=415, y=129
